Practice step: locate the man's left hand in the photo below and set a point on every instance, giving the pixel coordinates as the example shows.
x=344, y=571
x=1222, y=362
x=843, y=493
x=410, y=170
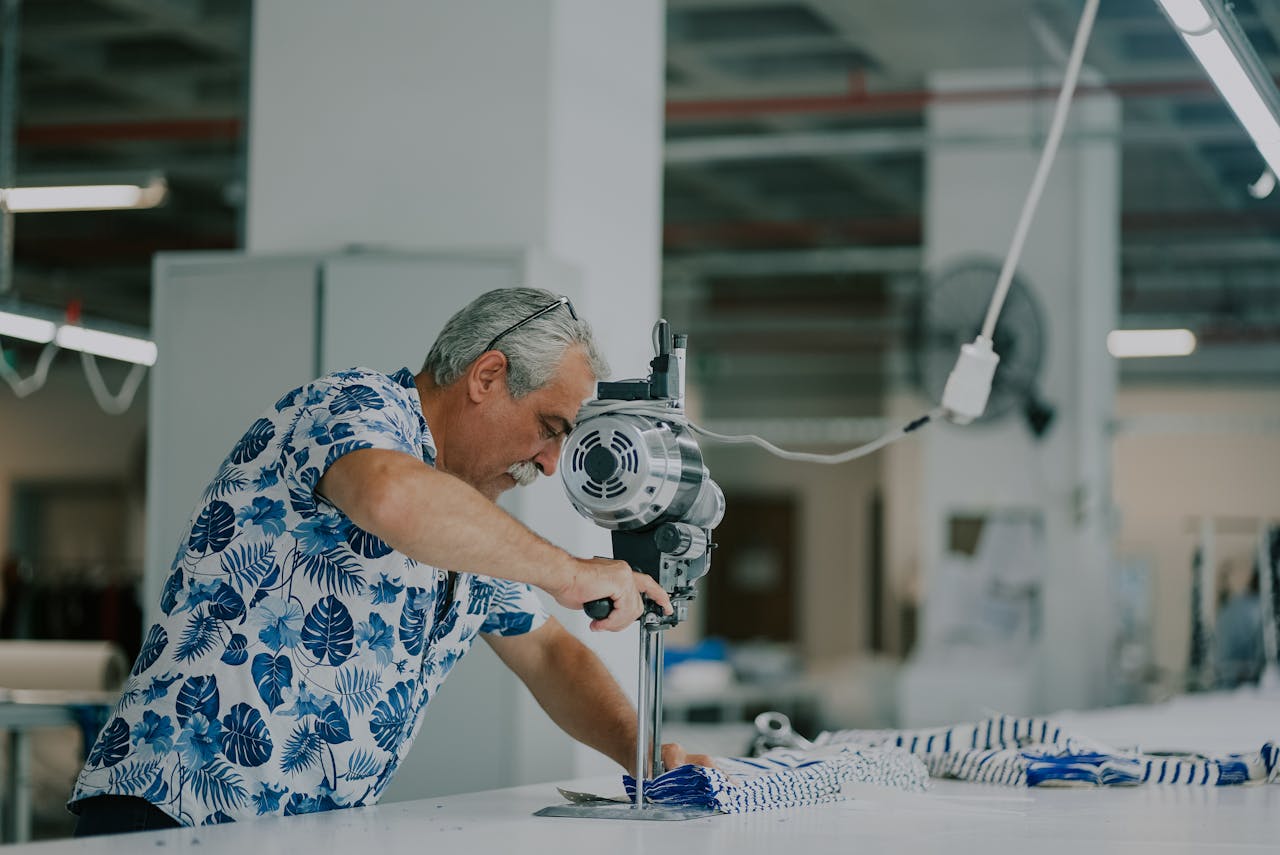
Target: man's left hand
x=673, y=755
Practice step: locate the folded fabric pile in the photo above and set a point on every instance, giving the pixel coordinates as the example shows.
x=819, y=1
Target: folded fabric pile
x=1006, y=750
x=784, y=777
x=1035, y=752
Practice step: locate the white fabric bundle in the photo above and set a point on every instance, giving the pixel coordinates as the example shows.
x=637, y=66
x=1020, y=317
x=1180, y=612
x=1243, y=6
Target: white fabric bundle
x=1036, y=752
x=784, y=777
x=1006, y=750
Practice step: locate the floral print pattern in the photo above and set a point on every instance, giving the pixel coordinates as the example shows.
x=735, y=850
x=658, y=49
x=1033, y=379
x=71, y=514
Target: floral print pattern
x=296, y=652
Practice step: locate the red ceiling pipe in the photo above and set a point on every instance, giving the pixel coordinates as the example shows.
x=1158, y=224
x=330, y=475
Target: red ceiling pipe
x=893, y=230
x=90, y=251
x=907, y=230
x=172, y=129
x=858, y=100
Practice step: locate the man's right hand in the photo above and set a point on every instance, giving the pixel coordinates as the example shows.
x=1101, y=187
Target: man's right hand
x=605, y=578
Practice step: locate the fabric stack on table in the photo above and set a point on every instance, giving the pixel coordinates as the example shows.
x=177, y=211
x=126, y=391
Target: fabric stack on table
x=1004, y=750
x=784, y=777
x=1036, y=752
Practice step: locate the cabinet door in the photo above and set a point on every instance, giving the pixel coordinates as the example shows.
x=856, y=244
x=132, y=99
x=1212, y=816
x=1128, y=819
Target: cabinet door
x=384, y=311
x=233, y=335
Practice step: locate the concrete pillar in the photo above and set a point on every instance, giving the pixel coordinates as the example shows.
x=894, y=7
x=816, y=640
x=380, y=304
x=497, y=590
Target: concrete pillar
x=428, y=124
x=1071, y=263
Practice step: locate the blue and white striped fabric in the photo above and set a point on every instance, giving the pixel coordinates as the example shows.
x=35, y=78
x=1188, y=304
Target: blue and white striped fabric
x=784, y=777
x=1035, y=752
x=1005, y=750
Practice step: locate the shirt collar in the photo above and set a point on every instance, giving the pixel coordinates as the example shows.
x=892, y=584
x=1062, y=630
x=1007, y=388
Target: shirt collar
x=405, y=378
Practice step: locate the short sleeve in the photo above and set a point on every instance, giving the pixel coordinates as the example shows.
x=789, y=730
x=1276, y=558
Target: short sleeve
x=351, y=412
x=514, y=610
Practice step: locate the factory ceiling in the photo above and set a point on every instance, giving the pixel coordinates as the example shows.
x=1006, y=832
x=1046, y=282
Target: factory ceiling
x=793, y=182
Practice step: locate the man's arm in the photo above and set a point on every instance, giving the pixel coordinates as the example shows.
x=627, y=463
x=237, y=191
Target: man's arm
x=578, y=692
x=438, y=519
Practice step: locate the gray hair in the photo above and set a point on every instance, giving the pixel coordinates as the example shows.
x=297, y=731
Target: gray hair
x=533, y=351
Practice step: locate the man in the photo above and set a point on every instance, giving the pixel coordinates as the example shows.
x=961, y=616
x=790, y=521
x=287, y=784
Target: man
x=305, y=624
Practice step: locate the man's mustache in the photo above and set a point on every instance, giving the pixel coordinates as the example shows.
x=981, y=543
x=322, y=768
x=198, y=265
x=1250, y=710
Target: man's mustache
x=524, y=472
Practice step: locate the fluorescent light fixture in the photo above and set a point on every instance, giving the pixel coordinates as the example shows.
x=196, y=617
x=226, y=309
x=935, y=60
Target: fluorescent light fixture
x=1241, y=95
x=27, y=328
x=122, y=347
x=1125, y=344
x=1212, y=34
x=1189, y=16
x=86, y=197
x=1264, y=186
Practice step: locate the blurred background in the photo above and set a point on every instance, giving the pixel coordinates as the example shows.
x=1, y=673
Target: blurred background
x=838, y=185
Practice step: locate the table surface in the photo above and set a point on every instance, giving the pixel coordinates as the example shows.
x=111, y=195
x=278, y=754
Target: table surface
x=958, y=817
x=962, y=818
x=30, y=708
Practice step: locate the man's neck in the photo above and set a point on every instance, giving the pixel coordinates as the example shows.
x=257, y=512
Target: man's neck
x=435, y=409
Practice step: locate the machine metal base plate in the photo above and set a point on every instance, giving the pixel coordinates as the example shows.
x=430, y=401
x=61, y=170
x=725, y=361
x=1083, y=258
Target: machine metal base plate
x=619, y=810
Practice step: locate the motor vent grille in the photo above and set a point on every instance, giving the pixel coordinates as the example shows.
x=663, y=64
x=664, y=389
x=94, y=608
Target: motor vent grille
x=625, y=455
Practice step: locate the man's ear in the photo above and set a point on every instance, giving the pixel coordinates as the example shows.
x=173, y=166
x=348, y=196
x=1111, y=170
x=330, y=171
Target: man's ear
x=487, y=375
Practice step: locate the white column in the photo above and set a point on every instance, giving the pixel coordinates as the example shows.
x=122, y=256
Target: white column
x=974, y=194
x=426, y=124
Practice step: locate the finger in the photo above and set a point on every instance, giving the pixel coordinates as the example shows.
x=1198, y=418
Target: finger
x=626, y=608
x=655, y=592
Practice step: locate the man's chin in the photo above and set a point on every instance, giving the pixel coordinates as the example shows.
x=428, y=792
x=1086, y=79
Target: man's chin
x=501, y=485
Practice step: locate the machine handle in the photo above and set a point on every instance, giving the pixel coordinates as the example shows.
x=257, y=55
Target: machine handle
x=599, y=609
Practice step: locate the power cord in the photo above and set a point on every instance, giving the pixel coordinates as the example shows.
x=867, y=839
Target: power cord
x=969, y=385
x=964, y=398
x=24, y=386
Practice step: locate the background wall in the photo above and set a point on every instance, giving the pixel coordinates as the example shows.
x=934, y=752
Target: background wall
x=832, y=560
x=59, y=432
x=1187, y=453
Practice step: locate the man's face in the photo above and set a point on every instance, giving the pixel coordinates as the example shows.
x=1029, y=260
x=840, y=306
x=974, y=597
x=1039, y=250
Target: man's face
x=524, y=434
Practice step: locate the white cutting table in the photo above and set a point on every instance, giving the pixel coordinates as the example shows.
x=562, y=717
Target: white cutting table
x=21, y=711
x=954, y=817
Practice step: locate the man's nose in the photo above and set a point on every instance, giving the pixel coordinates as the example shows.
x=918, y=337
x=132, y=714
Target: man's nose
x=549, y=456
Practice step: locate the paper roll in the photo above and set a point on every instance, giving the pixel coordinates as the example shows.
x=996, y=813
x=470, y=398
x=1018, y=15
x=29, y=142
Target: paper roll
x=65, y=665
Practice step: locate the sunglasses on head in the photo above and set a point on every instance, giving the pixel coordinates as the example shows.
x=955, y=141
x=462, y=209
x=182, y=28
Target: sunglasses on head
x=562, y=301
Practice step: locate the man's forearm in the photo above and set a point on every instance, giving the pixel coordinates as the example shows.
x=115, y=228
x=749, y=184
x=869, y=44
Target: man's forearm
x=575, y=689
x=437, y=519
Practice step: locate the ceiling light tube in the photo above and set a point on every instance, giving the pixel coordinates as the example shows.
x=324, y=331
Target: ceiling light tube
x=1241, y=95
x=1221, y=47
x=27, y=328
x=1126, y=344
x=99, y=343
x=1189, y=16
x=85, y=197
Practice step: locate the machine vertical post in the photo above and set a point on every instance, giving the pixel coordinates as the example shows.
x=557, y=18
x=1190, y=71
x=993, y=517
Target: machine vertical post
x=642, y=715
x=656, y=701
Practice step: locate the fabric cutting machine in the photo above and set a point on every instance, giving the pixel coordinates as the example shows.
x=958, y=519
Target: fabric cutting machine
x=633, y=466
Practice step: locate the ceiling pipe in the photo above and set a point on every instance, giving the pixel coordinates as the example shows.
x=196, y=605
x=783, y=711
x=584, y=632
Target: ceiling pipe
x=906, y=231
x=152, y=131
x=12, y=23
x=856, y=101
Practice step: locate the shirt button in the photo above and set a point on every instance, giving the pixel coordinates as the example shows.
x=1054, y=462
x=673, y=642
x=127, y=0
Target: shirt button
x=440, y=575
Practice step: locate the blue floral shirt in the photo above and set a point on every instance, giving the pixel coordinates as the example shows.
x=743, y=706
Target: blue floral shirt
x=296, y=652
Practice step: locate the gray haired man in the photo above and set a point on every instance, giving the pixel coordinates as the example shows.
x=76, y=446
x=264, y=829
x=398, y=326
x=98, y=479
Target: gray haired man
x=343, y=558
